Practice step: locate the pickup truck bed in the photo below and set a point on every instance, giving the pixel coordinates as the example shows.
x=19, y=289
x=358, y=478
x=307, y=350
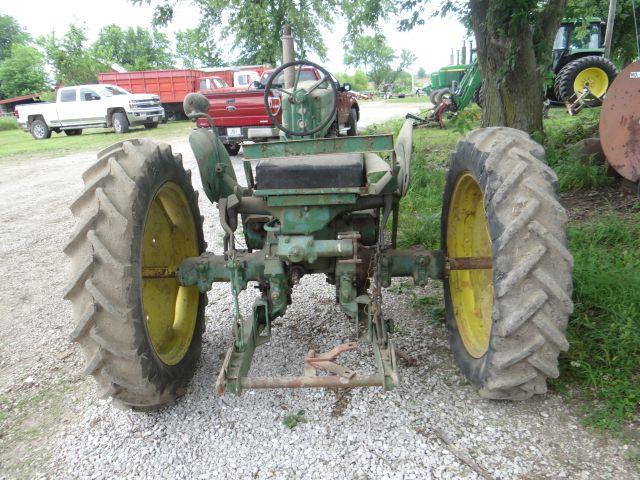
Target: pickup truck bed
x=239, y=115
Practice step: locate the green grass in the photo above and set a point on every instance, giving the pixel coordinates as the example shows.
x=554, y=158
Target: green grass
x=291, y=421
x=573, y=171
x=604, y=330
x=16, y=142
x=8, y=123
x=603, y=365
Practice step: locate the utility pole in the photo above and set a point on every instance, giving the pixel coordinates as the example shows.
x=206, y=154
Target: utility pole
x=609, y=33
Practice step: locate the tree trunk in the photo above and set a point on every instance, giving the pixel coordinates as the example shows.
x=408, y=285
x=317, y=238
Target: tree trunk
x=512, y=80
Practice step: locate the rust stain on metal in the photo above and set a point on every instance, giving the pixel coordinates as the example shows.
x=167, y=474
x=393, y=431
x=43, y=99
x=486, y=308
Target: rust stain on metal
x=620, y=123
x=158, y=272
x=470, y=263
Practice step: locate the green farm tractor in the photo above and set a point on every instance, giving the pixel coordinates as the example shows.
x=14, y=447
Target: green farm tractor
x=579, y=74
x=579, y=71
x=311, y=205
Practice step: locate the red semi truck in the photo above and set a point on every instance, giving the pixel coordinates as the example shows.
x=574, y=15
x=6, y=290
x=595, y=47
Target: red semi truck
x=173, y=85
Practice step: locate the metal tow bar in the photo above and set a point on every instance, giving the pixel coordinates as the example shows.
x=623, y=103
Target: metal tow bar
x=338, y=375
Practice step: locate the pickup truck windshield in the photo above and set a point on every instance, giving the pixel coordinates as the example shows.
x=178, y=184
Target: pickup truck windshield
x=212, y=83
x=112, y=90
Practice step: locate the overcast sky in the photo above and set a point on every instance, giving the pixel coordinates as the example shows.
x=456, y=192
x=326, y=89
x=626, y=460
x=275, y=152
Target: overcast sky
x=431, y=43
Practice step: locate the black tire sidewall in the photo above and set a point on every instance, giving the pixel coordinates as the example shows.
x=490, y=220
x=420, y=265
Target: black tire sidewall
x=157, y=172
x=47, y=131
x=353, y=123
x=465, y=159
x=570, y=71
x=124, y=122
x=232, y=149
x=432, y=96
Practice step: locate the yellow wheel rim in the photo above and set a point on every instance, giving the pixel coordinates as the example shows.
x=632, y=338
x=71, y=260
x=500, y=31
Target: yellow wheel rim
x=471, y=290
x=170, y=310
x=593, y=78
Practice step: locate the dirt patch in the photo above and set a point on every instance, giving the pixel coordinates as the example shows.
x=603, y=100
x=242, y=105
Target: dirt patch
x=584, y=205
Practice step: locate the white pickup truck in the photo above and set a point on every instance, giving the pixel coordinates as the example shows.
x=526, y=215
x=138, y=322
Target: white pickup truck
x=90, y=106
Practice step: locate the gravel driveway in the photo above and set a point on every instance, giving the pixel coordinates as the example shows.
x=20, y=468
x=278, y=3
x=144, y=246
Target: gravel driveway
x=52, y=425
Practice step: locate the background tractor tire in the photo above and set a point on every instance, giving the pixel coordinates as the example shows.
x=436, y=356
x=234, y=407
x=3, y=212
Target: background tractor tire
x=120, y=122
x=150, y=126
x=500, y=174
x=432, y=97
x=442, y=93
x=478, y=96
x=593, y=71
x=438, y=94
x=74, y=132
x=108, y=249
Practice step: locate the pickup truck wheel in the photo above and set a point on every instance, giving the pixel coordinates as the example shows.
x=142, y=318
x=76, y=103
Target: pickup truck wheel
x=40, y=130
x=232, y=149
x=74, y=132
x=353, y=123
x=149, y=126
x=120, y=122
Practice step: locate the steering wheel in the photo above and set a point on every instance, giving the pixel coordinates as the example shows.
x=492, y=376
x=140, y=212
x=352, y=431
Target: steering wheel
x=298, y=97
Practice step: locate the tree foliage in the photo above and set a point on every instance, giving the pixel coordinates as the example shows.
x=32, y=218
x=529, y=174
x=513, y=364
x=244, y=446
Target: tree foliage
x=625, y=47
x=372, y=53
x=358, y=80
x=23, y=72
x=256, y=25
x=513, y=39
x=11, y=33
x=70, y=59
x=197, y=48
x=133, y=48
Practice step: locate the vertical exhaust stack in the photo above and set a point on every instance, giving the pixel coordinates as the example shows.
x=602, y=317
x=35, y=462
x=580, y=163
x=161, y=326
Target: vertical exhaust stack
x=288, y=55
x=451, y=58
x=608, y=34
x=464, y=52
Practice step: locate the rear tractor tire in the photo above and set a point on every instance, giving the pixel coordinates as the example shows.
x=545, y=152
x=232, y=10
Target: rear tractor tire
x=593, y=72
x=506, y=323
x=139, y=330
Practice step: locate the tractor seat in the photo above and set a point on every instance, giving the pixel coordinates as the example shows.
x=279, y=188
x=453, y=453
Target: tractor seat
x=337, y=170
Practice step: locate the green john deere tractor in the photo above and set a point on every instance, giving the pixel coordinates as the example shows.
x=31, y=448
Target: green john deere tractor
x=578, y=76
x=309, y=206
x=578, y=62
